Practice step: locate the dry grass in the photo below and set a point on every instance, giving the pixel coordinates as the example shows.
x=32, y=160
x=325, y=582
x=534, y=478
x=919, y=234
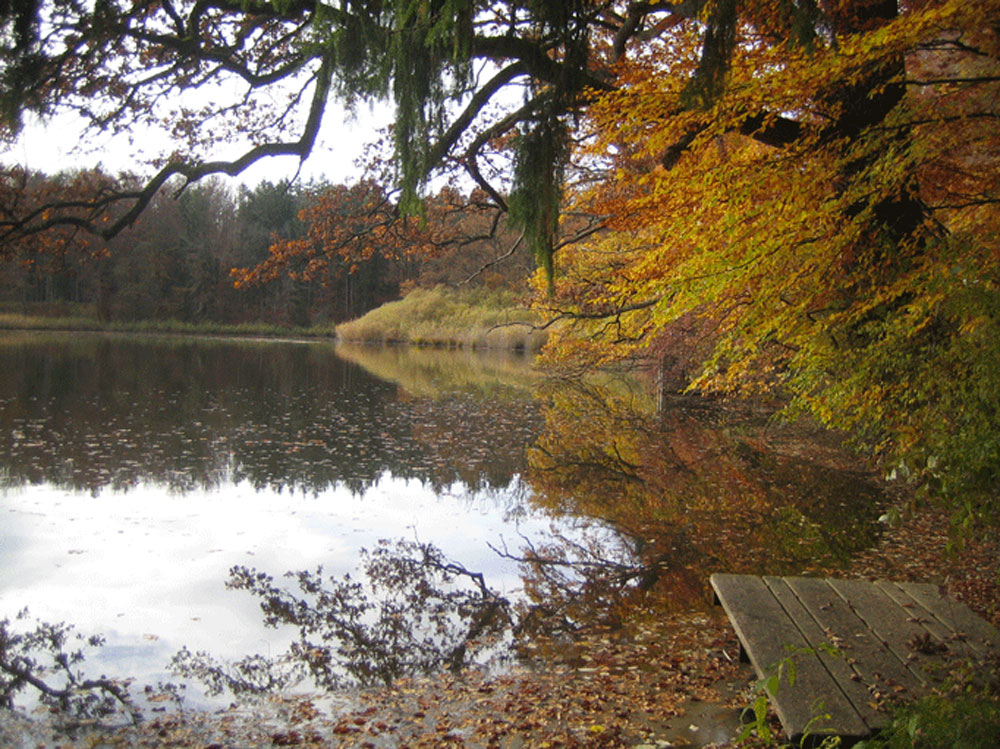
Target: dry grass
x=477, y=318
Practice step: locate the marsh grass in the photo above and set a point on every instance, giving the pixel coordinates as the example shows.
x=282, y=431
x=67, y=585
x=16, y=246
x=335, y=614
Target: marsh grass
x=475, y=318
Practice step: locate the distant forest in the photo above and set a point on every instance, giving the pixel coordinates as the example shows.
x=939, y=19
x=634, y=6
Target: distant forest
x=176, y=261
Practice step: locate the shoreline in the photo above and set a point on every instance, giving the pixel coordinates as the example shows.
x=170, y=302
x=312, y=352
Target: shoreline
x=237, y=333
x=667, y=677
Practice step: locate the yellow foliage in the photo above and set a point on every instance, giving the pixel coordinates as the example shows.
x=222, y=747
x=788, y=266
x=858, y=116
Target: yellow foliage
x=832, y=218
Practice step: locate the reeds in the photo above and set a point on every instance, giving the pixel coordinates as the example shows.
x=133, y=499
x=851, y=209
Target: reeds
x=475, y=318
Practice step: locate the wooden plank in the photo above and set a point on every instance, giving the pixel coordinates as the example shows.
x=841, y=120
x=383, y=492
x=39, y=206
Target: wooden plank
x=887, y=634
x=940, y=631
x=893, y=626
x=981, y=636
x=811, y=614
x=769, y=636
x=881, y=673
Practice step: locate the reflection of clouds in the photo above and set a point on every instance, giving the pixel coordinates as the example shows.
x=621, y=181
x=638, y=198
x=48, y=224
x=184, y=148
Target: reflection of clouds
x=154, y=563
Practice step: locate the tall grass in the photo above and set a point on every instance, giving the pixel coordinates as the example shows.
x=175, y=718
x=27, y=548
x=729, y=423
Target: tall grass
x=474, y=318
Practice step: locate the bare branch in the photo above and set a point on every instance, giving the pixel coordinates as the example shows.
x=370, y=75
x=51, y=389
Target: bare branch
x=498, y=259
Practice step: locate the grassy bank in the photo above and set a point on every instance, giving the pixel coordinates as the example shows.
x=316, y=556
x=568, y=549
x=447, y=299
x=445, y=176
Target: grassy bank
x=77, y=322
x=475, y=318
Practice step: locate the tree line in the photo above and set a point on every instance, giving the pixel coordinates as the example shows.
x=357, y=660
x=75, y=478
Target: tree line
x=280, y=253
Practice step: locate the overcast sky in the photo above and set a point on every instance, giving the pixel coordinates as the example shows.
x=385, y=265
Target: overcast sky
x=57, y=146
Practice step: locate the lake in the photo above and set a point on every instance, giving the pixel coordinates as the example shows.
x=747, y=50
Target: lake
x=136, y=472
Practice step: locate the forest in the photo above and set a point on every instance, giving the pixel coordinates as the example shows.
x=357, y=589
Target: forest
x=204, y=256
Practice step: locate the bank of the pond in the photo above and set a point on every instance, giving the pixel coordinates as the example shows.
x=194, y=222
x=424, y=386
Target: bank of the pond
x=84, y=323
x=664, y=680
x=442, y=317
x=471, y=318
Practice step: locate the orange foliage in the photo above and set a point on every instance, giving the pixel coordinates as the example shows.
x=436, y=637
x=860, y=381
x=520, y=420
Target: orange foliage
x=830, y=213
x=28, y=206
x=348, y=225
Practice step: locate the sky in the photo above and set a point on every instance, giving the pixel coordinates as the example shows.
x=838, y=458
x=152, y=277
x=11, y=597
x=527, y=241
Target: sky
x=56, y=146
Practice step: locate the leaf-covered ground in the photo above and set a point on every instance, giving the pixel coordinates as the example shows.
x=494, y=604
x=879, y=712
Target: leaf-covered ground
x=660, y=681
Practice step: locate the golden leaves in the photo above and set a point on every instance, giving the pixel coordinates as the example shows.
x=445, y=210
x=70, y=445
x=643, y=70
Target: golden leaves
x=832, y=219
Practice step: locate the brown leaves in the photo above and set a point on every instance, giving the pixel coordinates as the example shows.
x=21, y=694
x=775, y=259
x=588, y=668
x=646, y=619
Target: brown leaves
x=453, y=240
x=636, y=682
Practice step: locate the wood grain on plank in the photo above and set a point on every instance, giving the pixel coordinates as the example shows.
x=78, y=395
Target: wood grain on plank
x=817, y=625
x=900, y=632
x=770, y=636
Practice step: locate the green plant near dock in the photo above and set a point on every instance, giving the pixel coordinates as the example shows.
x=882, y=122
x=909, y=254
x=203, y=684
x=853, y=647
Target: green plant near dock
x=942, y=722
x=965, y=717
x=755, y=717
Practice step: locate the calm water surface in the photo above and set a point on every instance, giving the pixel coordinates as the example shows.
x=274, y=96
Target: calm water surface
x=136, y=472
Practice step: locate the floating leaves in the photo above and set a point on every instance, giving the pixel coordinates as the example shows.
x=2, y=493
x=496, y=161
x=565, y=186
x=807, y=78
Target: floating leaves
x=196, y=415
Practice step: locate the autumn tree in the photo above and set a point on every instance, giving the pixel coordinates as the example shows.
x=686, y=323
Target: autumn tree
x=819, y=196
x=348, y=245
x=361, y=246
x=55, y=265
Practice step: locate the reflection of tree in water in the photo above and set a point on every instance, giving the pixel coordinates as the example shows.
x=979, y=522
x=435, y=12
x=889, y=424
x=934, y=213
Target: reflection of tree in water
x=111, y=413
x=411, y=610
x=407, y=610
x=694, y=489
x=700, y=487
x=673, y=496
x=48, y=658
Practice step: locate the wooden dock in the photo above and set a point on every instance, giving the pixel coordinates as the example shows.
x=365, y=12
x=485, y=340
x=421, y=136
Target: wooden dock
x=855, y=645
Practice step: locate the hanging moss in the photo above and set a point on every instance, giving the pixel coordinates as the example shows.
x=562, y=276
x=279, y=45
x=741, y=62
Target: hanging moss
x=805, y=20
x=430, y=52
x=418, y=53
x=720, y=38
x=537, y=192
x=22, y=65
x=542, y=149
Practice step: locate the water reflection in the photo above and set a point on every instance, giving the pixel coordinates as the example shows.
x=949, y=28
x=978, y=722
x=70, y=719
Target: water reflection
x=698, y=487
x=202, y=455
x=92, y=412
x=137, y=472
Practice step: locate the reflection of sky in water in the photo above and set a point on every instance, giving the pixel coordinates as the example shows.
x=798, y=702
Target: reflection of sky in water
x=147, y=568
x=135, y=472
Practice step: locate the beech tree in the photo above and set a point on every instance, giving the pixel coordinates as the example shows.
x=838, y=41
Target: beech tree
x=823, y=204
